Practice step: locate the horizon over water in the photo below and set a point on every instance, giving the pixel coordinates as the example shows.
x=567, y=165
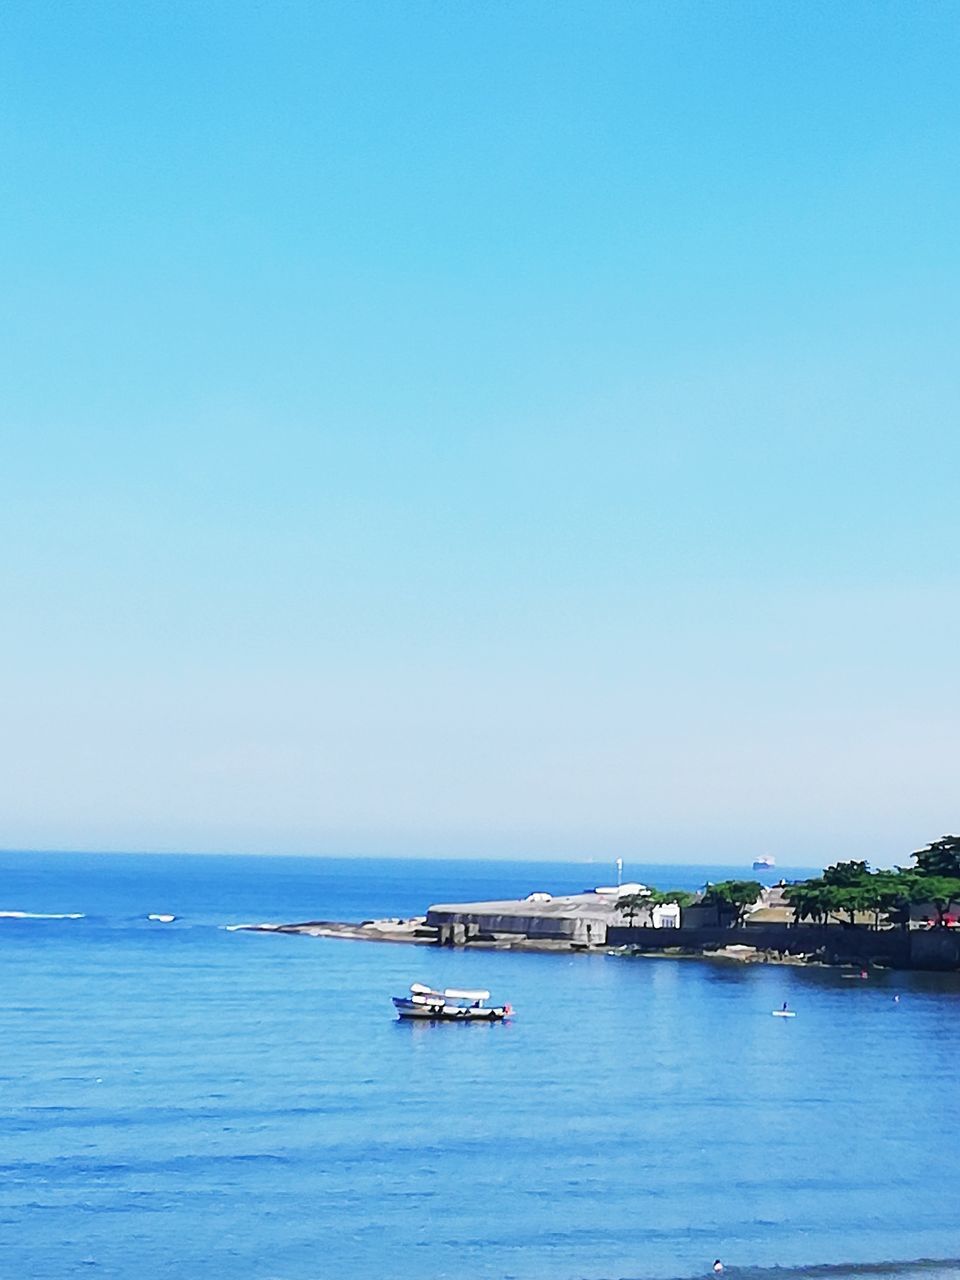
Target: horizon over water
x=182, y=1100
x=489, y=859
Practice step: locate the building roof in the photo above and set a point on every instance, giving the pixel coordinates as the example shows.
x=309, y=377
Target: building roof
x=586, y=905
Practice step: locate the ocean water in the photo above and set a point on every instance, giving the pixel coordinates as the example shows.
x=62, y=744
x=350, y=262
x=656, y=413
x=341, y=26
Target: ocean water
x=186, y=1101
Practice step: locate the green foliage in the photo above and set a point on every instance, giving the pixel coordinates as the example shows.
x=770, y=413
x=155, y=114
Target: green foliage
x=891, y=895
x=940, y=858
x=845, y=893
x=663, y=897
x=819, y=900
x=843, y=890
x=847, y=875
x=810, y=899
x=850, y=889
x=733, y=895
x=633, y=904
x=941, y=892
x=854, y=900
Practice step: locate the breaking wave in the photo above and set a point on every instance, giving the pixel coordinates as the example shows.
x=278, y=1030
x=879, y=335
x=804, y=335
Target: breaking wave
x=42, y=915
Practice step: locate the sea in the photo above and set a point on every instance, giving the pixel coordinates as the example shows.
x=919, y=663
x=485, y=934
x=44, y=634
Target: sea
x=188, y=1100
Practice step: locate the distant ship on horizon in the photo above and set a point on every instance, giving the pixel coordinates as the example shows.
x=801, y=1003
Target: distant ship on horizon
x=764, y=864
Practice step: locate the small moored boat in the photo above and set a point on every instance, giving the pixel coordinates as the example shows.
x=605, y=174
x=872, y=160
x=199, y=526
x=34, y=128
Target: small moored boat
x=451, y=1005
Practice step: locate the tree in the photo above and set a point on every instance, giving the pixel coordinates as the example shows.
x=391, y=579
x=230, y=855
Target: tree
x=634, y=903
x=941, y=891
x=940, y=858
x=890, y=894
x=733, y=895
x=847, y=875
x=818, y=900
x=849, y=889
x=846, y=889
x=893, y=893
x=664, y=897
x=853, y=899
x=810, y=900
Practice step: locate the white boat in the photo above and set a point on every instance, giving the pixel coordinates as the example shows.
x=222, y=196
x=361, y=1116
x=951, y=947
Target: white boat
x=451, y=1005
x=764, y=864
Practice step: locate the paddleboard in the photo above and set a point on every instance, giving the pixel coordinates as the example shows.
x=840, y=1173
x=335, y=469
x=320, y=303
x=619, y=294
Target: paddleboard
x=784, y=1013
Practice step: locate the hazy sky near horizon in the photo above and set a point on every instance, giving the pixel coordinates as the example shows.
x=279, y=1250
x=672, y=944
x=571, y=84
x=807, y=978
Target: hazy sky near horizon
x=461, y=426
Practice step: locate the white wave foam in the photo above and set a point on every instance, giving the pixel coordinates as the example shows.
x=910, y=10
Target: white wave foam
x=41, y=915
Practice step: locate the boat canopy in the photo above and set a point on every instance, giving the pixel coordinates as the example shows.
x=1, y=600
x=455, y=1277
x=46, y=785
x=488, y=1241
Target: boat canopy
x=417, y=988
x=428, y=994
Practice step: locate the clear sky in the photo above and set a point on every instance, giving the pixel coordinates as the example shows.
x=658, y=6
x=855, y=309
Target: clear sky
x=480, y=427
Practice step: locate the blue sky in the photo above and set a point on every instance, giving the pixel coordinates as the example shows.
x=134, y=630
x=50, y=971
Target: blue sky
x=480, y=428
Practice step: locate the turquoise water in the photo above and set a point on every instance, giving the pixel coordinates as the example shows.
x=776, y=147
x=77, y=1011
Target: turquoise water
x=184, y=1101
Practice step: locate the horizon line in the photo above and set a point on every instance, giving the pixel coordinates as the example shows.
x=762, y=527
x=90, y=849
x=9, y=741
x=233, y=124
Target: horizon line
x=591, y=860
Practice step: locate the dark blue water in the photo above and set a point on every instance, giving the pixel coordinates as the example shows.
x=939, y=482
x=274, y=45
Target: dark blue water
x=184, y=1101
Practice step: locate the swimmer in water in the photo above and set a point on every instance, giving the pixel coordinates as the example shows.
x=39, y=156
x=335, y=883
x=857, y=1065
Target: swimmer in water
x=718, y=1265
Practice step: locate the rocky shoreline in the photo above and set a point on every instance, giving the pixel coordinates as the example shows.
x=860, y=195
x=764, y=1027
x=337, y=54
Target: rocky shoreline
x=414, y=931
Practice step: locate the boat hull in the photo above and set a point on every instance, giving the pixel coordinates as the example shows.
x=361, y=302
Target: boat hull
x=407, y=1009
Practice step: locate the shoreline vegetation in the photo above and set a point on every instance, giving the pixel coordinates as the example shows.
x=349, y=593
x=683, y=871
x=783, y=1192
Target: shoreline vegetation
x=849, y=915
x=851, y=889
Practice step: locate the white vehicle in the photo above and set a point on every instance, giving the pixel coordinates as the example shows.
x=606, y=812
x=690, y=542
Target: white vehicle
x=451, y=1005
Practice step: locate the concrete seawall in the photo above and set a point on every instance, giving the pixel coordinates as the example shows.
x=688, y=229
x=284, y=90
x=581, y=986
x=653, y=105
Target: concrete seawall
x=896, y=948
